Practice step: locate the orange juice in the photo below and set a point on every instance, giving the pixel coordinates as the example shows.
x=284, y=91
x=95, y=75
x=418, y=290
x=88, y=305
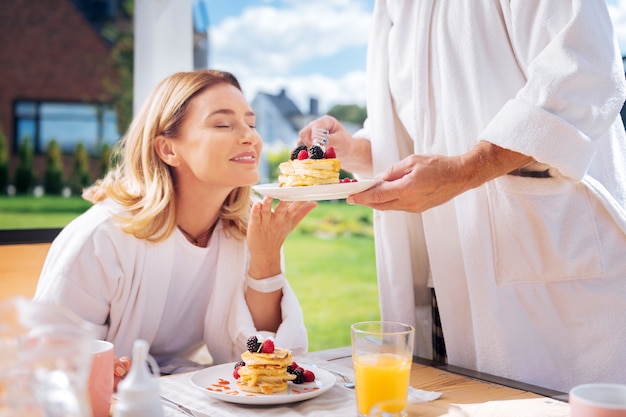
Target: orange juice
x=379, y=377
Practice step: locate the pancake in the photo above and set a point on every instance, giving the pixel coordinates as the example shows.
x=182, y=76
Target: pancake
x=307, y=172
x=265, y=373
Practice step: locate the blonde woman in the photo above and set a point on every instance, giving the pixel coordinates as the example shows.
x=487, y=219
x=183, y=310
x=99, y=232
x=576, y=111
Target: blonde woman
x=174, y=251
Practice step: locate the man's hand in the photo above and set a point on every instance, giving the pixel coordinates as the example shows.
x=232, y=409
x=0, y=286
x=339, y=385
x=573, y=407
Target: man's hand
x=355, y=154
x=420, y=182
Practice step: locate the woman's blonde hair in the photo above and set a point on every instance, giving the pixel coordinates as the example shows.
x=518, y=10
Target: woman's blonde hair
x=142, y=182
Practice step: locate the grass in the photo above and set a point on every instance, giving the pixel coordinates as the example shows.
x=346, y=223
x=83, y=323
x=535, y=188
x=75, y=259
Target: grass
x=333, y=272
x=329, y=260
x=27, y=212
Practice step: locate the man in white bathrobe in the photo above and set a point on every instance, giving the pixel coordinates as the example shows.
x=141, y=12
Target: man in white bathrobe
x=494, y=127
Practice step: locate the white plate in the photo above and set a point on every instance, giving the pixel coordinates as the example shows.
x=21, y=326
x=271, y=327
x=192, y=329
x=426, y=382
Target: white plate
x=210, y=377
x=314, y=192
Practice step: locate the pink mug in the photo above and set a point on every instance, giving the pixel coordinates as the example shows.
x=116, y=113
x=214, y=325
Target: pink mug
x=598, y=400
x=101, y=378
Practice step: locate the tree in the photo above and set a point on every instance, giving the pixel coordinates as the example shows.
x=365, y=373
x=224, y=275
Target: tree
x=105, y=159
x=349, y=113
x=53, y=180
x=24, y=176
x=120, y=89
x=4, y=163
x=80, y=175
x=273, y=160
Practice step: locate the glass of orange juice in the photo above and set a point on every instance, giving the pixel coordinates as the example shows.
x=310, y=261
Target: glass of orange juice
x=382, y=354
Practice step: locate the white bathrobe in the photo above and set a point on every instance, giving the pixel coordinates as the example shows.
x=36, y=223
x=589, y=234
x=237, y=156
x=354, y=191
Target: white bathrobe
x=121, y=286
x=530, y=273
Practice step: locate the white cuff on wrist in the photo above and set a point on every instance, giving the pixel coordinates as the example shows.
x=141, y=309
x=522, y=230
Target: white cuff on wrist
x=270, y=284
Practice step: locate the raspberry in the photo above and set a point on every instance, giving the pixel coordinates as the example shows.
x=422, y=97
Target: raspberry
x=253, y=344
x=296, y=152
x=330, y=153
x=268, y=346
x=316, y=152
x=303, y=155
x=299, y=376
x=236, y=372
x=308, y=376
x=294, y=365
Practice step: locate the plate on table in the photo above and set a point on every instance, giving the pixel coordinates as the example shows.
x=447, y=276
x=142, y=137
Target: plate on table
x=314, y=192
x=218, y=382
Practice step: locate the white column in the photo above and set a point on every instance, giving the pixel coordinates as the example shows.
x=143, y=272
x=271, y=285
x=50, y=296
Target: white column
x=163, y=43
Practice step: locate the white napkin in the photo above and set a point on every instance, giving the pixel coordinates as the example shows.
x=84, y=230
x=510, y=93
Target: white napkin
x=336, y=402
x=529, y=407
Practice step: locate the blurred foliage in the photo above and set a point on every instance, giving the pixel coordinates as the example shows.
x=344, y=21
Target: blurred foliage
x=24, y=175
x=274, y=159
x=349, y=113
x=120, y=88
x=105, y=159
x=80, y=174
x=333, y=219
x=53, y=180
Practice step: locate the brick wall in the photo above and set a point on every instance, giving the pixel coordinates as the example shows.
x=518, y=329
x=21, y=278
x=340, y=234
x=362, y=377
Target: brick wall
x=48, y=51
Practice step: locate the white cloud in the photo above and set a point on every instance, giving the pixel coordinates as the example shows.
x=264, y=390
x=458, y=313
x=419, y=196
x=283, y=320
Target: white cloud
x=349, y=89
x=264, y=44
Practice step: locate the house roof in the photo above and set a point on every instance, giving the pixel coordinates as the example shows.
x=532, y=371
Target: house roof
x=284, y=104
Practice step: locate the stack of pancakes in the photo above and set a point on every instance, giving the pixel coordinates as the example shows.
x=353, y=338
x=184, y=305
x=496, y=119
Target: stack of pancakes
x=303, y=172
x=265, y=373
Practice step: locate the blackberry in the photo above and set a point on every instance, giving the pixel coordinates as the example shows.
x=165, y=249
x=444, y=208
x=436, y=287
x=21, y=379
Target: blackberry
x=316, y=152
x=299, y=376
x=296, y=151
x=290, y=370
x=253, y=344
x=240, y=363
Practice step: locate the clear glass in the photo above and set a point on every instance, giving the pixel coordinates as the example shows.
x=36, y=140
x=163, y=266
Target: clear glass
x=45, y=360
x=390, y=408
x=382, y=354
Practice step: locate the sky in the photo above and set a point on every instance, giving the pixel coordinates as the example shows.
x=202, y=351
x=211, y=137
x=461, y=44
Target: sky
x=311, y=48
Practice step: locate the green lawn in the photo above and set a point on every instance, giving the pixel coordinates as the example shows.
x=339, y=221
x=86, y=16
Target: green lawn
x=329, y=260
x=333, y=273
x=26, y=212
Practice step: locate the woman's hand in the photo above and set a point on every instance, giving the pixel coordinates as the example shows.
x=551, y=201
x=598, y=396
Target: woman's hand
x=121, y=367
x=267, y=231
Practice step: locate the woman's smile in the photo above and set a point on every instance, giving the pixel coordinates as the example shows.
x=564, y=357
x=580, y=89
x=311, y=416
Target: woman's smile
x=245, y=157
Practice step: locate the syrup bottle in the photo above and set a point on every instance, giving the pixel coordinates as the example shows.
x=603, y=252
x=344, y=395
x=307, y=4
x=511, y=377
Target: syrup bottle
x=138, y=393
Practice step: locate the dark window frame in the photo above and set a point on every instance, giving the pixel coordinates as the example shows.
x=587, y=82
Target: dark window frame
x=38, y=142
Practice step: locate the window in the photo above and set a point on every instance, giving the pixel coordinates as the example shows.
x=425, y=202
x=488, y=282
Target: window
x=92, y=124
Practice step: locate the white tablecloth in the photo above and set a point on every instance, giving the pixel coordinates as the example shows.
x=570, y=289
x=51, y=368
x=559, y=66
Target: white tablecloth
x=338, y=401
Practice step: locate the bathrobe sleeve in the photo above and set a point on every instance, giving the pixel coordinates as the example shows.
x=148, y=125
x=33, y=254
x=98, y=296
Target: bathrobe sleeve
x=96, y=270
x=575, y=82
x=82, y=268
